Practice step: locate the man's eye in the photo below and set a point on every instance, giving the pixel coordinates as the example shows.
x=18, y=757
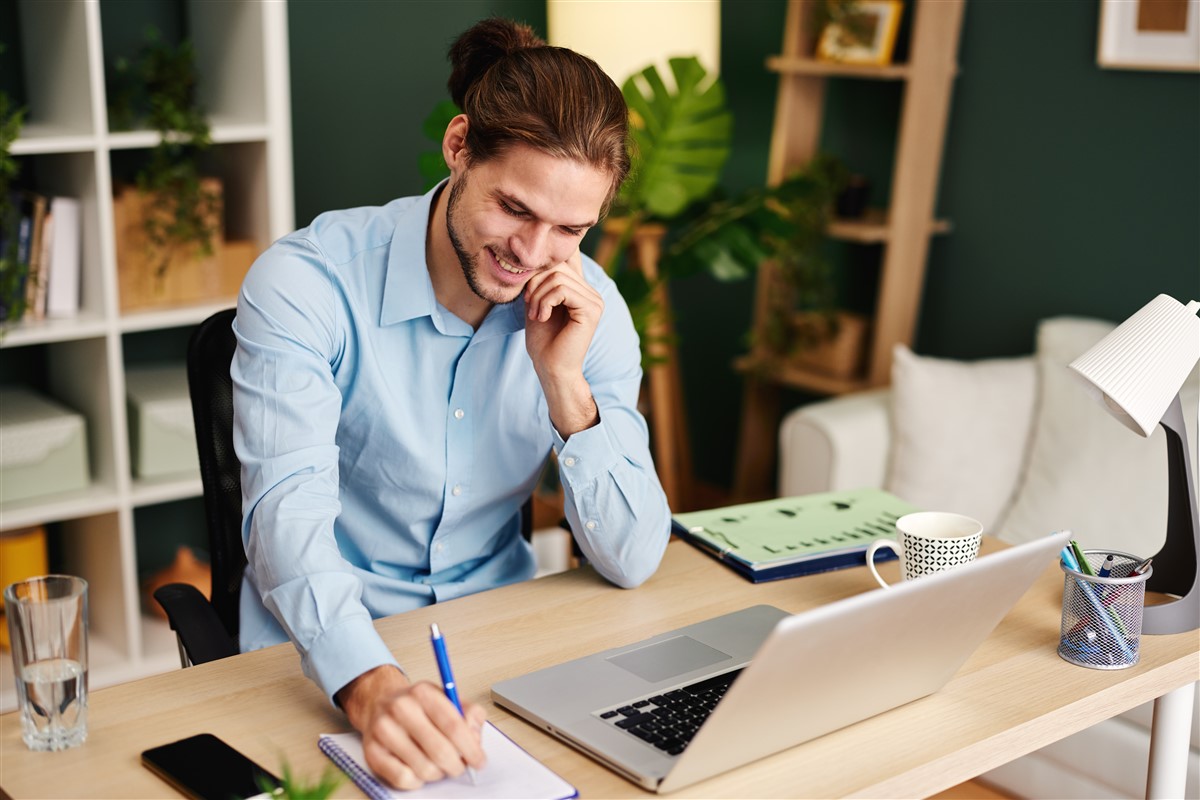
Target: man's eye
x=573, y=231
x=512, y=212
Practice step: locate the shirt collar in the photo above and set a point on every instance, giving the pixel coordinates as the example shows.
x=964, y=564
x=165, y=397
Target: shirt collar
x=408, y=289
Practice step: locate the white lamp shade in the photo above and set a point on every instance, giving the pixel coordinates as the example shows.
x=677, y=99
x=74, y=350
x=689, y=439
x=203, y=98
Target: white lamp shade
x=1138, y=368
x=626, y=36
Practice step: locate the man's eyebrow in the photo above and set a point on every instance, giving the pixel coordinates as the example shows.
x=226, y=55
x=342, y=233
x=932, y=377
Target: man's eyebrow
x=521, y=206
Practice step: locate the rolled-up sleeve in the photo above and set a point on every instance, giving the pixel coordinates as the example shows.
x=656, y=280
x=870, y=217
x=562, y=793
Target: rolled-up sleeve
x=286, y=408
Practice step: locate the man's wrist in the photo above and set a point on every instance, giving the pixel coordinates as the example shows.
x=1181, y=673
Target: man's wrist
x=571, y=406
x=355, y=697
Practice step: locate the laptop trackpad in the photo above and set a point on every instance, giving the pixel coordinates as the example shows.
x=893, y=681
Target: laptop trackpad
x=675, y=656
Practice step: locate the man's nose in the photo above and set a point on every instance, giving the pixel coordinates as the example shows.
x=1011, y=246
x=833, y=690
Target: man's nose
x=531, y=244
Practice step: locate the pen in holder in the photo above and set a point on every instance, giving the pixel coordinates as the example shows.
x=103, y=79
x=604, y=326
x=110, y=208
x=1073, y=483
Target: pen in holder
x=1102, y=617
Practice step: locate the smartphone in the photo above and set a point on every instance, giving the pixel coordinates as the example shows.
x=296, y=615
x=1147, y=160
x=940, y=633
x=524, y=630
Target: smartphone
x=206, y=768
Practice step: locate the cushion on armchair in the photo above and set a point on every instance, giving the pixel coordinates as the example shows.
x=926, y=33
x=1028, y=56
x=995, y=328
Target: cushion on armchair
x=959, y=432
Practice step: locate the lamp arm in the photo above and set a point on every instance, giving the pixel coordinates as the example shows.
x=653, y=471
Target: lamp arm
x=1177, y=564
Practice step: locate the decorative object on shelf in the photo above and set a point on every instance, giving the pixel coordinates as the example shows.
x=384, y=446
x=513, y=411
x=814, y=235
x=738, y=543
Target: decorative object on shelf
x=12, y=270
x=22, y=556
x=186, y=568
x=851, y=202
x=1136, y=373
x=1149, y=35
x=859, y=31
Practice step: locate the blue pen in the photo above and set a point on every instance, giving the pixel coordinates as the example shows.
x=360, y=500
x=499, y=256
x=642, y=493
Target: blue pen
x=1106, y=567
x=448, y=684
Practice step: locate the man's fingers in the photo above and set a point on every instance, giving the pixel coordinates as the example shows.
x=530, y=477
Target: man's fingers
x=392, y=754
x=560, y=288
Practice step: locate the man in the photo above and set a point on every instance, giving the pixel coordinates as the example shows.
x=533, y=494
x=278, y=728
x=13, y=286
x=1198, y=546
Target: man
x=403, y=372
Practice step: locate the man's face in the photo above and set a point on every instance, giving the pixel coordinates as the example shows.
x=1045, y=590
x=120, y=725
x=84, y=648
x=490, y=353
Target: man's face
x=523, y=212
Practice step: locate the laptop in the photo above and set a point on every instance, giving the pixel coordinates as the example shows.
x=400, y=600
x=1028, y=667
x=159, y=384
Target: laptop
x=694, y=702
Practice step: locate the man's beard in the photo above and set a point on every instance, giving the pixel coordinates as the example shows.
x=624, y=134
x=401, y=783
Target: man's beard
x=468, y=262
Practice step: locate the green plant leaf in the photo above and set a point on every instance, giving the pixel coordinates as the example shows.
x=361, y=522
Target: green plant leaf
x=682, y=139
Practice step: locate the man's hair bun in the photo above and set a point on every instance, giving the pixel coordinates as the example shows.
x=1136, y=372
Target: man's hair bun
x=476, y=50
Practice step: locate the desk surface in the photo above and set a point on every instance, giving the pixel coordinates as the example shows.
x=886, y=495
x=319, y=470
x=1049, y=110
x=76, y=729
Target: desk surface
x=1013, y=696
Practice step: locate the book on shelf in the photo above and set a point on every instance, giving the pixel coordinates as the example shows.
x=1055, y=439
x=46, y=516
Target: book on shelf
x=49, y=255
x=792, y=536
x=34, y=276
x=64, y=258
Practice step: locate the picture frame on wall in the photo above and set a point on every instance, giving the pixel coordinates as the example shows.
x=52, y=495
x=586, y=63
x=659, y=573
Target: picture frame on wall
x=1149, y=35
x=867, y=35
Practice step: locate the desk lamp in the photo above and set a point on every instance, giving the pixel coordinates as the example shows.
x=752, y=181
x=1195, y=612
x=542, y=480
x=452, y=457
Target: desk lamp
x=1136, y=372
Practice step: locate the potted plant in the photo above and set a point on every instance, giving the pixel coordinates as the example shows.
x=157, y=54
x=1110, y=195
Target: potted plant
x=169, y=224
x=12, y=271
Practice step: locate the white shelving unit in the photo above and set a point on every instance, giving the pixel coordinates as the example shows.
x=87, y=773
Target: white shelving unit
x=242, y=57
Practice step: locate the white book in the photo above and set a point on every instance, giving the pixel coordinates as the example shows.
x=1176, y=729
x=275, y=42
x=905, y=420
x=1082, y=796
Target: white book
x=62, y=289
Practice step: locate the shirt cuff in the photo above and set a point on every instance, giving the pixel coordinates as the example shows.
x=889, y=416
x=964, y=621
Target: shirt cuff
x=585, y=456
x=344, y=652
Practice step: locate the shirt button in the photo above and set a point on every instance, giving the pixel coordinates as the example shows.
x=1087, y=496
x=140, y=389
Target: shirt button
x=569, y=461
x=437, y=548
x=459, y=413
x=456, y=491
x=590, y=525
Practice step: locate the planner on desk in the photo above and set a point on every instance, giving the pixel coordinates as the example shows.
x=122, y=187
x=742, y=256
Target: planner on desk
x=793, y=536
x=510, y=772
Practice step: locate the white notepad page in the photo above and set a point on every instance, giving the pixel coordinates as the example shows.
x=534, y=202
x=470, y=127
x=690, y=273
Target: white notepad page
x=510, y=772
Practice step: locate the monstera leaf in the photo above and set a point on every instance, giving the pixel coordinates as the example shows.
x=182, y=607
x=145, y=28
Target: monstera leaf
x=682, y=140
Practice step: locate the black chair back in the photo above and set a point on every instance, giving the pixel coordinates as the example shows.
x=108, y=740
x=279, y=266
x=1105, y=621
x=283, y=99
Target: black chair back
x=210, y=352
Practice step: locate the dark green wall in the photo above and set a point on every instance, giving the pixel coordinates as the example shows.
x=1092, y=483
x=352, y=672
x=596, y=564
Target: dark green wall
x=1071, y=189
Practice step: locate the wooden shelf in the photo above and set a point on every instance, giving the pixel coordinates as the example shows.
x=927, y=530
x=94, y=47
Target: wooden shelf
x=794, y=377
x=874, y=228
x=799, y=65
x=902, y=231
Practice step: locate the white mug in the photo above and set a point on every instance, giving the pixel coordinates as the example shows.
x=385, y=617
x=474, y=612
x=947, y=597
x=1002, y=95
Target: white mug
x=930, y=541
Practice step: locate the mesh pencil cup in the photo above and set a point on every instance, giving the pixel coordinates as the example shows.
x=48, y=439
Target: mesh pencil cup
x=1102, y=617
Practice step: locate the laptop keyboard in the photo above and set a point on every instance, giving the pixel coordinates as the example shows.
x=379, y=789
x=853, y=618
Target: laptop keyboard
x=670, y=720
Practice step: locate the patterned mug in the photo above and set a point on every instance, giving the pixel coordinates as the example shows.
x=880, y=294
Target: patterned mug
x=930, y=541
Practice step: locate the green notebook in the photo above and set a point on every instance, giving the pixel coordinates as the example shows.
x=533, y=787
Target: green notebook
x=794, y=536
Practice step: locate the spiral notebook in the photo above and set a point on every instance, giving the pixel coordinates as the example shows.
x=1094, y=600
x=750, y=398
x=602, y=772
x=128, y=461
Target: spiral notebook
x=510, y=772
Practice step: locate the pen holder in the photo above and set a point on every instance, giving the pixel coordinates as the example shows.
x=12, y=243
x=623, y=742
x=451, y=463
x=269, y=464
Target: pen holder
x=1102, y=617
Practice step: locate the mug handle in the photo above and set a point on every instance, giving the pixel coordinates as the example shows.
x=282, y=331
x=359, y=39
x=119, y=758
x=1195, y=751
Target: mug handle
x=876, y=545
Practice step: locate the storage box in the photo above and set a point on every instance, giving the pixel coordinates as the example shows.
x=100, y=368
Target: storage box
x=43, y=446
x=162, y=435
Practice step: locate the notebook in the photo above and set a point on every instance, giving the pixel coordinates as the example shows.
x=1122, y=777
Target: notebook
x=510, y=772
x=793, y=536
x=801, y=675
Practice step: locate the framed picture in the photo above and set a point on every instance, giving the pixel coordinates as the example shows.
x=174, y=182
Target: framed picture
x=865, y=35
x=1149, y=34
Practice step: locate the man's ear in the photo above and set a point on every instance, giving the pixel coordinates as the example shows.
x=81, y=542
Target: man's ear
x=454, y=144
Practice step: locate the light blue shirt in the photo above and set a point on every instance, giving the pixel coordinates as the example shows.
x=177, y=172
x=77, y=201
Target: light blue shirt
x=387, y=447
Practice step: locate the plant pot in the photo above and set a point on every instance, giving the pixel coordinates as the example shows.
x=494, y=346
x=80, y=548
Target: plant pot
x=157, y=276
x=837, y=347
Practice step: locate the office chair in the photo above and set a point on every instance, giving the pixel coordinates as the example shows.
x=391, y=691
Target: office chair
x=207, y=629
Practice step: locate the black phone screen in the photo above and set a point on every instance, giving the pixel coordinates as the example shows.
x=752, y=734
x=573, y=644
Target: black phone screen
x=206, y=768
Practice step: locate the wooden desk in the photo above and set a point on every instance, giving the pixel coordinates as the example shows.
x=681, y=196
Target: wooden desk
x=1013, y=696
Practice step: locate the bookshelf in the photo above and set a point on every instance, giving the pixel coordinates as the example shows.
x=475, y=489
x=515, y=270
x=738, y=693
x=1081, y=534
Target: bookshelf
x=902, y=230
x=66, y=147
